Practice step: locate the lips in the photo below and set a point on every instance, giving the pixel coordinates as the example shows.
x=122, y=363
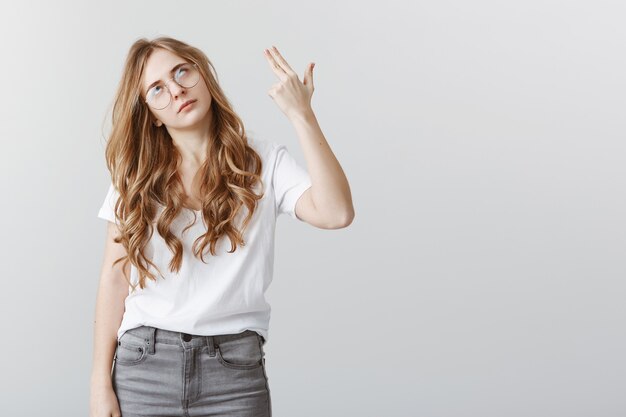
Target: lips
x=185, y=104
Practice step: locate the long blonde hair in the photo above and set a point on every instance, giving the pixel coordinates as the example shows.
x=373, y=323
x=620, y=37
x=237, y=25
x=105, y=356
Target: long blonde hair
x=143, y=163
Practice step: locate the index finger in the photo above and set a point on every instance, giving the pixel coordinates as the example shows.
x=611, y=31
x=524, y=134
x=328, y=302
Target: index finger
x=282, y=60
x=278, y=70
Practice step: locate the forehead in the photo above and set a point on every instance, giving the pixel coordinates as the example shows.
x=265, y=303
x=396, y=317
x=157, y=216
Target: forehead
x=158, y=66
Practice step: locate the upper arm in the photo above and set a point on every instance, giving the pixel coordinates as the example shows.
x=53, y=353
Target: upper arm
x=305, y=210
x=293, y=192
x=112, y=252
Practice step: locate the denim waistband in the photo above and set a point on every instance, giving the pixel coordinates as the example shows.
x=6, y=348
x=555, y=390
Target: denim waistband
x=149, y=336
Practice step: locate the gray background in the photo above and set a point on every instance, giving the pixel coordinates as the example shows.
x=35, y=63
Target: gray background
x=484, y=272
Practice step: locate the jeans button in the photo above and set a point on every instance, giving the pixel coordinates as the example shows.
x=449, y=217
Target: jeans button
x=186, y=337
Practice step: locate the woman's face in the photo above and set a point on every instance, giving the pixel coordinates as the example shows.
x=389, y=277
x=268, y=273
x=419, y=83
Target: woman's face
x=158, y=68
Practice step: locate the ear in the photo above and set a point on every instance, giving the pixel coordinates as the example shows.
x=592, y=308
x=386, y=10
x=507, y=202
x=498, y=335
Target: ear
x=158, y=123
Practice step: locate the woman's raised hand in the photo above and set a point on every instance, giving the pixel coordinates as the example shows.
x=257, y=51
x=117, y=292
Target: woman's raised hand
x=292, y=96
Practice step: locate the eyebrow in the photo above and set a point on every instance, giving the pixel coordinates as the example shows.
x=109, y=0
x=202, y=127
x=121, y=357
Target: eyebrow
x=171, y=71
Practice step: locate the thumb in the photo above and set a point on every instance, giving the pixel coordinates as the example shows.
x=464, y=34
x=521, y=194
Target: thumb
x=308, y=76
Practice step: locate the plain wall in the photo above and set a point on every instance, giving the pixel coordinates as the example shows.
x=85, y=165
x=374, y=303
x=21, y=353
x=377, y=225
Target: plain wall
x=484, y=143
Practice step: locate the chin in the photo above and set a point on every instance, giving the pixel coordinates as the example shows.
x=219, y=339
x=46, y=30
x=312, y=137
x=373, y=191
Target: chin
x=194, y=119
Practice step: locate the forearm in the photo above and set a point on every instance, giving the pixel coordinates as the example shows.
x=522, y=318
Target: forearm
x=330, y=190
x=108, y=316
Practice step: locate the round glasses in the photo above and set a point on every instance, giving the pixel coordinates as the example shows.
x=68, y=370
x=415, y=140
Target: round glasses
x=159, y=96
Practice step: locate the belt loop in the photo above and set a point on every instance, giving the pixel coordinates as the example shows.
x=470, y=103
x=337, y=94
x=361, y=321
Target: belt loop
x=151, y=340
x=210, y=341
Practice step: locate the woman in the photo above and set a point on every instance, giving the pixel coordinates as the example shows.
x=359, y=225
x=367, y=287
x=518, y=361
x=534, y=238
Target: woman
x=182, y=322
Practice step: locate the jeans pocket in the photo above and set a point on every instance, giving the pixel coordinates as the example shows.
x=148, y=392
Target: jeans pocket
x=130, y=352
x=243, y=353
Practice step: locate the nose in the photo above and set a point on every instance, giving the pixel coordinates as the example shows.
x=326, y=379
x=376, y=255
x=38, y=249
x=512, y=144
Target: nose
x=175, y=88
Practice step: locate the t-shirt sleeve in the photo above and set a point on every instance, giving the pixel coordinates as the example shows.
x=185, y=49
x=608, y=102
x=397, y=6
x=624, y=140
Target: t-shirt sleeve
x=107, y=210
x=290, y=181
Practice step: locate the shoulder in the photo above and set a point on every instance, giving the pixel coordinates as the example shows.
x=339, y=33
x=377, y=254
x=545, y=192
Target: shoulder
x=267, y=149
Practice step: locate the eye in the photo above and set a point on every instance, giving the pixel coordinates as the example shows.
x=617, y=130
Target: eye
x=154, y=91
x=181, y=71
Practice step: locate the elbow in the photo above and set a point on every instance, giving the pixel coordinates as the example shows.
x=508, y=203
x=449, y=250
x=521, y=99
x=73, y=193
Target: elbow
x=345, y=220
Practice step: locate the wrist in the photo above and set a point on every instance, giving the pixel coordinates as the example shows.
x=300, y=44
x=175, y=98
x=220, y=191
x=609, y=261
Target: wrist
x=99, y=381
x=305, y=116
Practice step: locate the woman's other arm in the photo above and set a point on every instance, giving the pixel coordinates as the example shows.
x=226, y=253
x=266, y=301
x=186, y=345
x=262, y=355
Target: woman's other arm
x=112, y=292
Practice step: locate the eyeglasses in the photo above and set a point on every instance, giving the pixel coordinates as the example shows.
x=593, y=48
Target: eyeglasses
x=187, y=76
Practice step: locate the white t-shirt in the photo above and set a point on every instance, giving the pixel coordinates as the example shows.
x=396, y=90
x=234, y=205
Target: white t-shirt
x=225, y=294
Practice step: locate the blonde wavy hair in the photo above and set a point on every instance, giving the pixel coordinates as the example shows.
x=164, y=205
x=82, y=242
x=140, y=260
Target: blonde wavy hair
x=143, y=163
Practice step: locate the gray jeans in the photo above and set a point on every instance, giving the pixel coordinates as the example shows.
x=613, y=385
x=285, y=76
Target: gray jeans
x=164, y=373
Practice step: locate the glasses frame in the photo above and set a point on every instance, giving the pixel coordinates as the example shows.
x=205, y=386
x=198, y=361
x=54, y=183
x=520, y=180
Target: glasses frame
x=168, y=90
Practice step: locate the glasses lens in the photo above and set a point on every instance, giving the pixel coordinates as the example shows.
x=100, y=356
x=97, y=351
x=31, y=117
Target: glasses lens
x=158, y=97
x=187, y=76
